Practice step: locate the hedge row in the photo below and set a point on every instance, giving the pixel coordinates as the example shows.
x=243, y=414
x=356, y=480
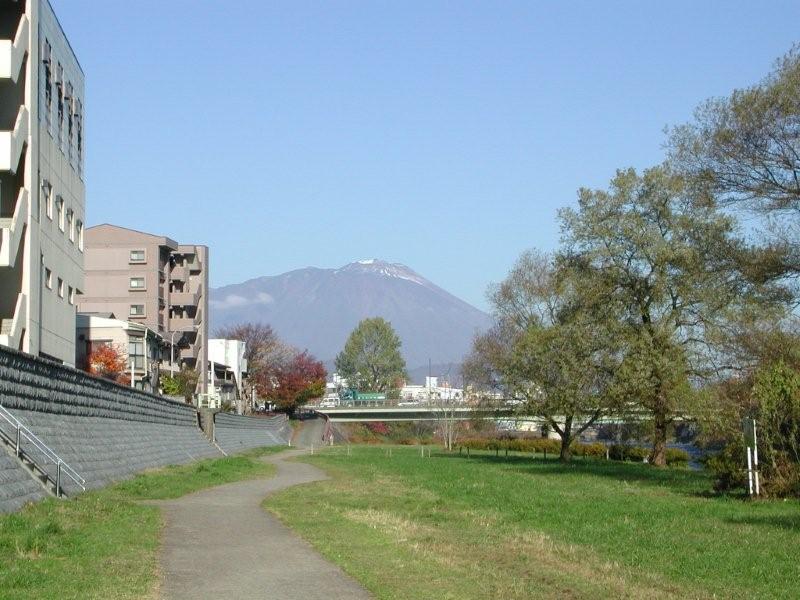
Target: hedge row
x=551, y=446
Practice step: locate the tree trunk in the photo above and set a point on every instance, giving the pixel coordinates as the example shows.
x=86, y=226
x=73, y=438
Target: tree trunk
x=658, y=456
x=566, y=441
x=566, y=451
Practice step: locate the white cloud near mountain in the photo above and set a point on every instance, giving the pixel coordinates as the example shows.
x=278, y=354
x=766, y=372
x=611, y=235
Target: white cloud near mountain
x=236, y=301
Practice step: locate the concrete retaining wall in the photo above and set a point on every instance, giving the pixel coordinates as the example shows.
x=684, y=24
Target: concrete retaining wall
x=235, y=433
x=16, y=485
x=104, y=431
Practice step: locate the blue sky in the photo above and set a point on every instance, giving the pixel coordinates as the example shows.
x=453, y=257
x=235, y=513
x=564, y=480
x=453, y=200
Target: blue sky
x=443, y=135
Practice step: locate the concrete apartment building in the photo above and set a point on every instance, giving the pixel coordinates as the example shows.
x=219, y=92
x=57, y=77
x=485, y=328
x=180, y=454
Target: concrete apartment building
x=42, y=193
x=154, y=281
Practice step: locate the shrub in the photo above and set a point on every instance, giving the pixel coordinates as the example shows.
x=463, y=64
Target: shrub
x=728, y=467
x=676, y=456
x=378, y=427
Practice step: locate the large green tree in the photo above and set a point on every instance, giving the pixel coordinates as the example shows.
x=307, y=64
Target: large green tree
x=659, y=255
x=371, y=360
x=546, y=349
x=745, y=148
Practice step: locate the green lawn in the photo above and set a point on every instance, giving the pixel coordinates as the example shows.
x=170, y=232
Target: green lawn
x=484, y=527
x=103, y=544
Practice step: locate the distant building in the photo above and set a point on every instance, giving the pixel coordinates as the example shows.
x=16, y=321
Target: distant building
x=42, y=193
x=228, y=369
x=431, y=391
x=154, y=281
x=140, y=346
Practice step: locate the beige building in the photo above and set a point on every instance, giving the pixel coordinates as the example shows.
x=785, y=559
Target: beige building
x=42, y=193
x=154, y=281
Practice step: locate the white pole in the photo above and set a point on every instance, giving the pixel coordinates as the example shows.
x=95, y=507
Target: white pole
x=750, y=470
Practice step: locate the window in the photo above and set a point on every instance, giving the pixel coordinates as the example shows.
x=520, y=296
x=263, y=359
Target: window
x=68, y=99
x=137, y=310
x=79, y=129
x=137, y=256
x=48, y=278
x=136, y=352
x=79, y=233
x=60, y=211
x=71, y=224
x=60, y=287
x=137, y=283
x=71, y=295
x=47, y=190
x=47, y=60
x=60, y=88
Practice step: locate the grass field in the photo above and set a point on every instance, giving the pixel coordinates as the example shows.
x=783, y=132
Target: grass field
x=483, y=527
x=103, y=544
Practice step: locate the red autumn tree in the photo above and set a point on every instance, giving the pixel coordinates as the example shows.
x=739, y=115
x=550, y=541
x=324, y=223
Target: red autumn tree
x=107, y=362
x=297, y=381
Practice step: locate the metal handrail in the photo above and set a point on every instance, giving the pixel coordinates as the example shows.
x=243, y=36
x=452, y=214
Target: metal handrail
x=23, y=431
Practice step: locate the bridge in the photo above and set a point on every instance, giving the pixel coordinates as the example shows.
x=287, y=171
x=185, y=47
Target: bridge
x=422, y=412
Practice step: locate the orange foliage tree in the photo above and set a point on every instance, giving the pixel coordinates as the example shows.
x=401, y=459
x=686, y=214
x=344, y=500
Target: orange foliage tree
x=108, y=362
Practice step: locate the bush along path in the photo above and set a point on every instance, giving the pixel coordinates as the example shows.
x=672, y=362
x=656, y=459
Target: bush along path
x=220, y=543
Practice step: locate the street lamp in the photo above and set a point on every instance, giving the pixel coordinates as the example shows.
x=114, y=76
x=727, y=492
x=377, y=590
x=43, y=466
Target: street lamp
x=172, y=354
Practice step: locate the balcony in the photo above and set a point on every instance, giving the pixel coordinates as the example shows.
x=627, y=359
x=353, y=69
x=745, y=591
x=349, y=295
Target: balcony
x=184, y=298
x=12, y=329
x=12, y=143
x=182, y=324
x=180, y=273
x=191, y=352
x=12, y=52
x=195, y=266
x=11, y=231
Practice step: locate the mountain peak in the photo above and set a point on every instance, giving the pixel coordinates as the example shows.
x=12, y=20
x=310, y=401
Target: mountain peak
x=383, y=268
x=317, y=309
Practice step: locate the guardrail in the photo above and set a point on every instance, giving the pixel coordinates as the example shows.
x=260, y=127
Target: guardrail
x=22, y=432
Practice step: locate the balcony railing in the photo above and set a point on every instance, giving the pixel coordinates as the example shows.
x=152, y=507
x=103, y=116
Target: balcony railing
x=13, y=142
x=11, y=231
x=12, y=52
x=179, y=273
x=184, y=298
x=190, y=352
x=185, y=324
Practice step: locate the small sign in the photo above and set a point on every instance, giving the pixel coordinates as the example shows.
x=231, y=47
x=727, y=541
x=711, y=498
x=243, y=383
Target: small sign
x=749, y=428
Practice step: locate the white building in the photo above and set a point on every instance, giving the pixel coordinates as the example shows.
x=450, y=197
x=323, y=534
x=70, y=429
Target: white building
x=227, y=371
x=42, y=194
x=431, y=392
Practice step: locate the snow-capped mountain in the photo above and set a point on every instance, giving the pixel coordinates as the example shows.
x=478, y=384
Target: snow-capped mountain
x=318, y=308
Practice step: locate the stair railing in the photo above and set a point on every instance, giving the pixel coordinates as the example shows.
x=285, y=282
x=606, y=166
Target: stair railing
x=21, y=432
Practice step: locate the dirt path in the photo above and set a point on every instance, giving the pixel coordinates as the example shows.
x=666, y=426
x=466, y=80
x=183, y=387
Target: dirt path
x=219, y=543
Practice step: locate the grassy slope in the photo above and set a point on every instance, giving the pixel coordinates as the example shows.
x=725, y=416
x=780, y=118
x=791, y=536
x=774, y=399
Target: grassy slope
x=452, y=527
x=103, y=544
